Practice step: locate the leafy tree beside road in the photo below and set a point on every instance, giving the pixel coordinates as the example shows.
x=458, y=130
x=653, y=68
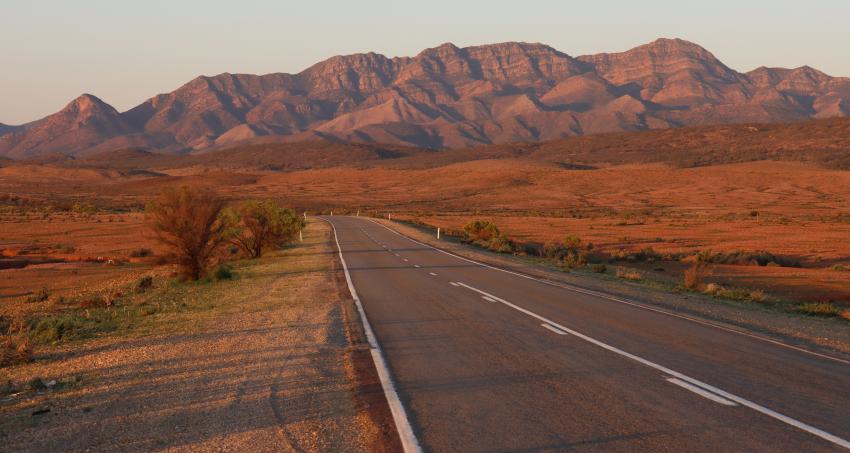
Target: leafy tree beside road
x=257, y=225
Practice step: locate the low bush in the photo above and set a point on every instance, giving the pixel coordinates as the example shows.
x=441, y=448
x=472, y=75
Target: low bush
x=481, y=231
x=486, y=234
x=599, y=268
x=692, y=278
x=42, y=295
x=841, y=268
x=36, y=384
x=145, y=283
x=629, y=274
x=744, y=258
x=567, y=253
x=716, y=290
x=648, y=255
x=223, y=272
x=818, y=309
x=141, y=253
x=15, y=349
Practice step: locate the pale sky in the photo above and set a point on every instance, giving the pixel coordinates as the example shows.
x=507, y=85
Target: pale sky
x=127, y=51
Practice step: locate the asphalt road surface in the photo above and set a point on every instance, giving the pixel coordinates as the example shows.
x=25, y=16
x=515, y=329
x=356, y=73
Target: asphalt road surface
x=486, y=360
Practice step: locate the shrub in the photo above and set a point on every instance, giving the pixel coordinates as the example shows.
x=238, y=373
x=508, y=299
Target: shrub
x=486, y=234
x=502, y=244
x=713, y=289
x=568, y=253
x=744, y=258
x=841, y=268
x=36, y=384
x=141, y=253
x=145, y=283
x=628, y=274
x=223, y=272
x=481, y=230
x=758, y=295
x=692, y=277
x=647, y=254
x=255, y=225
x=187, y=221
x=14, y=350
x=599, y=268
x=818, y=309
x=42, y=295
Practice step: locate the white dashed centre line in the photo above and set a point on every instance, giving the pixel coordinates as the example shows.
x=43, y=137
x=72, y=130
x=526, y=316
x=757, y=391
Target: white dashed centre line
x=552, y=328
x=701, y=392
x=432, y=274
x=708, y=389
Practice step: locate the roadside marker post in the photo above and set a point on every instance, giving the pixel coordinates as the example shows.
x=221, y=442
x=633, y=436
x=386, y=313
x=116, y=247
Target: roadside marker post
x=300, y=236
x=438, y=232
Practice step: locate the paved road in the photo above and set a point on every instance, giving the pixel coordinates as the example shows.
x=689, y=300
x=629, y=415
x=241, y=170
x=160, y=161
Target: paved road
x=484, y=360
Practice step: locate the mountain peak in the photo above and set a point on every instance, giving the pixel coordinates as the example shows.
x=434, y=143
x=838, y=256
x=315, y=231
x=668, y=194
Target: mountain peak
x=446, y=96
x=88, y=104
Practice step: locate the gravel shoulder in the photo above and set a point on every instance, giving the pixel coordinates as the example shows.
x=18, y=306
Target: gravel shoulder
x=824, y=335
x=276, y=363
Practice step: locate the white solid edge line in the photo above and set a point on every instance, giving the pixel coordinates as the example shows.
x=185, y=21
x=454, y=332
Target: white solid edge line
x=488, y=299
x=744, y=402
x=625, y=302
x=552, y=328
x=701, y=392
x=405, y=432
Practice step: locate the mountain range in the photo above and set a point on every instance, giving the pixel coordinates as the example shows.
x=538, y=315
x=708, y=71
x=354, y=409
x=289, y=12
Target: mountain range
x=445, y=97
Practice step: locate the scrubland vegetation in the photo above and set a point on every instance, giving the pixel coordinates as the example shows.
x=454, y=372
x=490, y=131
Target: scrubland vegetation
x=571, y=254
x=195, y=239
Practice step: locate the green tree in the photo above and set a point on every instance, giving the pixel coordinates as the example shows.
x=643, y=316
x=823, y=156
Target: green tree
x=255, y=225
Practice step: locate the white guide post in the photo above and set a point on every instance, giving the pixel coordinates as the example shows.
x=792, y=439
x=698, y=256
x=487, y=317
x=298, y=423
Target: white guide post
x=438, y=232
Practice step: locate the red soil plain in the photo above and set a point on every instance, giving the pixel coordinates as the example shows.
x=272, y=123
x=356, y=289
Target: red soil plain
x=776, y=188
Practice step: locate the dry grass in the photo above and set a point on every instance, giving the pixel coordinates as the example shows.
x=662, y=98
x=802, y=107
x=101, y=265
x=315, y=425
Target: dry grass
x=692, y=278
x=629, y=274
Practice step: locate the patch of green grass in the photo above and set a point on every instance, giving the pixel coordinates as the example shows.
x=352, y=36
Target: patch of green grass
x=70, y=326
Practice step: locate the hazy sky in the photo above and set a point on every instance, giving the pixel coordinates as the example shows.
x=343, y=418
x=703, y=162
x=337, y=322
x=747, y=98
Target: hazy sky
x=127, y=51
